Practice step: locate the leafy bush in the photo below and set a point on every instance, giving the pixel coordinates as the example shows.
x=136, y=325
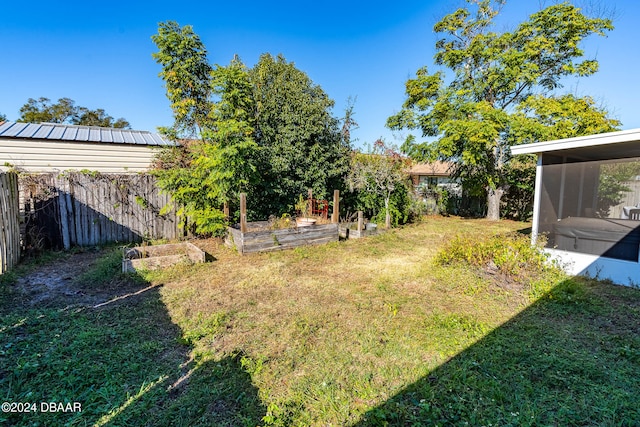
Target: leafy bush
x=380, y=177
x=399, y=205
x=511, y=254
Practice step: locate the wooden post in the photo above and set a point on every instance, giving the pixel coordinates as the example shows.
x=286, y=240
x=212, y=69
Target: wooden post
x=64, y=219
x=243, y=212
x=360, y=221
x=225, y=210
x=335, y=216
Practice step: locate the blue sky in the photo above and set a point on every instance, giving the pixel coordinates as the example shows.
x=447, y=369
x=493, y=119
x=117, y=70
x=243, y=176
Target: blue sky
x=99, y=53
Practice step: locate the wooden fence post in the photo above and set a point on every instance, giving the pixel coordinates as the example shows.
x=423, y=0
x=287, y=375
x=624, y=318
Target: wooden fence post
x=243, y=212
x=360, y=221
x=9, y=221
x=335, y=215
x=61, y=184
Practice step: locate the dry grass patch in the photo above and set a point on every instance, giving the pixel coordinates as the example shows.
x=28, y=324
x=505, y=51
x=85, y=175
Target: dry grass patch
x=356, y=333
x=330, y=331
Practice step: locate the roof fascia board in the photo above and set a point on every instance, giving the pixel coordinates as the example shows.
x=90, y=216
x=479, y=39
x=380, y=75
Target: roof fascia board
x=578, y=142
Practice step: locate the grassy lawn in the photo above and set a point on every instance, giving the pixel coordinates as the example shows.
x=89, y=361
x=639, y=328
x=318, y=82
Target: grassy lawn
x=377, y=331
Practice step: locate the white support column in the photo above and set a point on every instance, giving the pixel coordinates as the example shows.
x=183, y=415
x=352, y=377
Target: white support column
x=536, y=200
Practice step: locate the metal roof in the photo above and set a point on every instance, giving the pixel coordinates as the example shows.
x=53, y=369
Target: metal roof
x=75, y=133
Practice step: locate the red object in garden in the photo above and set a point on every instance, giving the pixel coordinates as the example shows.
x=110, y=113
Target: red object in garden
x=320, y=208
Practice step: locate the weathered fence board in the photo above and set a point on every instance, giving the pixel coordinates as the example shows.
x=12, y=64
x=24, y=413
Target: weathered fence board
x=90, y=209
x=9, y=221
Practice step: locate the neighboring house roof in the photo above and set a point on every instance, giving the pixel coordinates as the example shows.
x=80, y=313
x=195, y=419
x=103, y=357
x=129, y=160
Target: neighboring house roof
x=75, y=133
x=432, y=169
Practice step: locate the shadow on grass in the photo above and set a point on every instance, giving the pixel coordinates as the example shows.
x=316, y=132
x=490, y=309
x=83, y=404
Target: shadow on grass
x=572, y=358
x=525, y=231
x=123, y=361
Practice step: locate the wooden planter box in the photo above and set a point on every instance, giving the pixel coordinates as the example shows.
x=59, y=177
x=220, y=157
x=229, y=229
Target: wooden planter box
x=350, y=231
x=260, y=239
x=160, y=256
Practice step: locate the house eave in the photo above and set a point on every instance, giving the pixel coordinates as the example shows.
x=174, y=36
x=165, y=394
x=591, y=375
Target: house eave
x=583, y=142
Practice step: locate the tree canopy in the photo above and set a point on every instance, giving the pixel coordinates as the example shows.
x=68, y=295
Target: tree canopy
x=302, y=145
x=208, y=173
x=187, y=75
x=42, y=110
x=502, y=90
x=267, y=131
x=379, y=173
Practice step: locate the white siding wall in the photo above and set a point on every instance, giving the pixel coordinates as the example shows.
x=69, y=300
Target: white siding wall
x=53, y=156
x=576, y=264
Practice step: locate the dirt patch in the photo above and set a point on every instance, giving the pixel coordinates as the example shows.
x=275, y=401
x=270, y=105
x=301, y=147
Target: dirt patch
x=57, y=282
x=55, y=279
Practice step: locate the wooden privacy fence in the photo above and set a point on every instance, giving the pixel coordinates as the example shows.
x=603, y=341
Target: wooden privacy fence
x=88, y=209
x=9, y=221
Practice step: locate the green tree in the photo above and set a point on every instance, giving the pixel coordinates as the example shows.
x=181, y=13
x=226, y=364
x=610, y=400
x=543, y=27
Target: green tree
x=270, y=122
x=501, y=88
x=544, y=118
x=3, y=118
x=612, y=185
x=99, y=117
x=209, y=173
x=42, y=110
x=233, y=148
x=187, y=76
x=380, y=173
x=301, y=143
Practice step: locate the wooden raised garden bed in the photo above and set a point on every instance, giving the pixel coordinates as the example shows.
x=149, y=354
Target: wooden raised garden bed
x=352, y=231
x=160, y=256
x=259, y=238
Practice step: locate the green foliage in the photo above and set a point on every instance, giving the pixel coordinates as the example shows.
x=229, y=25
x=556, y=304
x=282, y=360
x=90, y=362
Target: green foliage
x=190, y=187
x=500, y=92
x=381, y=179
x=301, y=143
x=3, y=118
x=267, y=132
x=520, y=178
x=41, y=110
x=544, y=118
x=105, y=269
x=511, y=254
x=230, y=133
x=436, y=199
x=100, y=118
x=203, y=326
x=204, y=175
x=187, y=76
x=373, y=206
x=611, y=185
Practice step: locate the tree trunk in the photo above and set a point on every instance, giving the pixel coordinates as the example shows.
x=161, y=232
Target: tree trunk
x=493, y=202
x=387, y=218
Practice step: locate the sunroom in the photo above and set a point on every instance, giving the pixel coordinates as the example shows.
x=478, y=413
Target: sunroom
x=587, y=203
